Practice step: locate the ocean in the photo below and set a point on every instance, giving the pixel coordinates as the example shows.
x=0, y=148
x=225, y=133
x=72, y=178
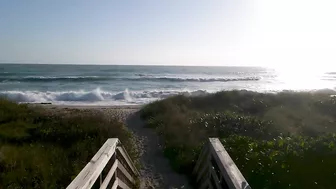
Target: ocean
x=125, y=85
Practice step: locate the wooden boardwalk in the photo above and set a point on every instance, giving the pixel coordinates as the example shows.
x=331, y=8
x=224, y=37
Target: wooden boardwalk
x=112, y=165
x=215, y=169
x=115, y=169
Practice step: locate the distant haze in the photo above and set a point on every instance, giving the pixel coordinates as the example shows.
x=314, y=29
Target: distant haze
x=290, y=34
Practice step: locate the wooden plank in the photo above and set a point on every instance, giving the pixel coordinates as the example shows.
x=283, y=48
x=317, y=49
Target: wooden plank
x=200, y=159
x=216, y=179
x=115, y=177
x=129, y=161
x=228, y=169
x=210, y=185
x=122, y=185
x=204, y=184
x=204, y=168
x=206, y=181
x=204, y=178
x=89, y=174
x=202, y=174
x=109, y=175
x=125, y=172
x=115, y=184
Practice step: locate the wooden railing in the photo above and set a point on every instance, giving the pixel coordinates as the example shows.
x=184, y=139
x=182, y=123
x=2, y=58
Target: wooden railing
x=112, y=165
x=215, y=169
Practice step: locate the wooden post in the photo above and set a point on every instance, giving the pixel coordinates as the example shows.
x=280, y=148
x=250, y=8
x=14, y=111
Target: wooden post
x=114, y=158
x=100, y=179
x=215, y=168
x=108, y=152
x=228, y=169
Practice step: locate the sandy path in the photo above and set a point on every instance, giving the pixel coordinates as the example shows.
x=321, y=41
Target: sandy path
x=156, y=171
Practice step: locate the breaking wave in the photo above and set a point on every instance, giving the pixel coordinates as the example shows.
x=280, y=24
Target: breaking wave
x=93, y=97
x=179, y=79
x=109, y=78
x=49, y=79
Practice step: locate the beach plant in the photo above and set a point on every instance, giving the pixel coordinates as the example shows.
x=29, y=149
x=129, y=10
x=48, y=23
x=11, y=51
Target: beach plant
x=277, y=140
x=47, y=148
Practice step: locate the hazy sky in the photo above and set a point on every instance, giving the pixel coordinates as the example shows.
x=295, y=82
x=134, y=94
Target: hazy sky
x=179, y=32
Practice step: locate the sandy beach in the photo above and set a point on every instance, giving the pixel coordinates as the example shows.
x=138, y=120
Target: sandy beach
x=120, y=112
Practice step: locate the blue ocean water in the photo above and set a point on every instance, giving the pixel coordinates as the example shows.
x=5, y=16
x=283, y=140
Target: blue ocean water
x=118, y=85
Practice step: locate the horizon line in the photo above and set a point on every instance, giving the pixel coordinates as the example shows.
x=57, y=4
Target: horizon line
x=102, y=64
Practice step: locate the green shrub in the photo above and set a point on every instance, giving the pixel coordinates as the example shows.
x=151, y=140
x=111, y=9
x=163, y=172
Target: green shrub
x=41, y=148
x=285, y=162
x=242, y=118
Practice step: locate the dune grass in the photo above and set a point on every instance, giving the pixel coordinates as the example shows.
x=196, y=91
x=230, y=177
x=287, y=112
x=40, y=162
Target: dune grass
x=44, y=149
x=284, y=140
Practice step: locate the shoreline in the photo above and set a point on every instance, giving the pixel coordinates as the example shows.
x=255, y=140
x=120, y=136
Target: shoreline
x=84, y=106
x=119, y=112
x=196, y=93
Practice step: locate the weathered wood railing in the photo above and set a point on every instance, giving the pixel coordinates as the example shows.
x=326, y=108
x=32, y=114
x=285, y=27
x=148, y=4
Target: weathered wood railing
x=215, y=169
x=112, y=164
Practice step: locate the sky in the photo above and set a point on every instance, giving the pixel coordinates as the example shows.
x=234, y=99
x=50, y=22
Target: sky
x=272, y=33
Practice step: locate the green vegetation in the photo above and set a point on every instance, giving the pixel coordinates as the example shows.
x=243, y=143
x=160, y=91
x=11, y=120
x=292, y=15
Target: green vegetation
x=284, y=140
x=47, y=149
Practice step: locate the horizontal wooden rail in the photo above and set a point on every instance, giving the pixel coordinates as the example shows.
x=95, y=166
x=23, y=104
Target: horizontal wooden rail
x=215, y=169
x=122, y=174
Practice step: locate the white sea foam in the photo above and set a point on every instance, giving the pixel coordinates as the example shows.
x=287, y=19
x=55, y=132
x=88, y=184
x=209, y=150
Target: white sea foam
x=96, y=96
x=74, y=84
x=137, y=78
